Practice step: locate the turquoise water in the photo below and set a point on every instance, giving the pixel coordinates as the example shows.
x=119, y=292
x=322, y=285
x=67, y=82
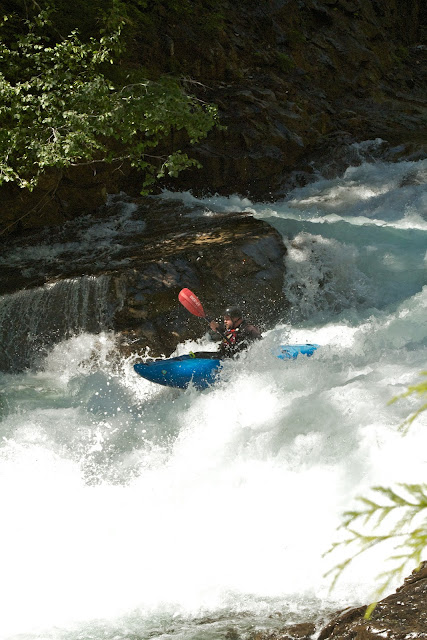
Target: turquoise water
x=131, y=510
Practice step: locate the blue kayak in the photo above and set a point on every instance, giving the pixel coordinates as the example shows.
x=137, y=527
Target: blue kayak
x=287, y=351
x=181, y=371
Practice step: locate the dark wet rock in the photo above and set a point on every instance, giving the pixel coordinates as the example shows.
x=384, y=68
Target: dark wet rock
x=123, y=269
x=228, y=258
x=399, y=616
x=301, y=631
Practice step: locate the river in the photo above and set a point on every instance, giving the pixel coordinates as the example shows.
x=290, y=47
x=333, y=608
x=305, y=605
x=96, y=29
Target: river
x=129, y=510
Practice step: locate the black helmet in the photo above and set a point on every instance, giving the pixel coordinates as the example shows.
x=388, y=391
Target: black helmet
x=233, y=312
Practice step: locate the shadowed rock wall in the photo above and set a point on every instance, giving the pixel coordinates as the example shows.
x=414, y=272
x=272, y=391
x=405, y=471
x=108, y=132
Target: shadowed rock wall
x=296, y=82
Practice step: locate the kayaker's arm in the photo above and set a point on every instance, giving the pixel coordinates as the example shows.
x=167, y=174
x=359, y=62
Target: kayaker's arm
x=214, y=325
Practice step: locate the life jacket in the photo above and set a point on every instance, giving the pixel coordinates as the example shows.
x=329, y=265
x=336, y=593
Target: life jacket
x=230, y=337
x=238, y=339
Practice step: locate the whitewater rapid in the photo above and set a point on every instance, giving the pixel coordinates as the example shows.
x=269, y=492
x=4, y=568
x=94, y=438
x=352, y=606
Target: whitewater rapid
x=133, y=510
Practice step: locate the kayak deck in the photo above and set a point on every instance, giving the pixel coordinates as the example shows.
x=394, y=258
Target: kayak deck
x=181, y=371
x=201, y=372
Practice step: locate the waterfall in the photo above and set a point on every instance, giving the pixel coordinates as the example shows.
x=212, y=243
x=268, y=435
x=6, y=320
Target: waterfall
x=33, y=320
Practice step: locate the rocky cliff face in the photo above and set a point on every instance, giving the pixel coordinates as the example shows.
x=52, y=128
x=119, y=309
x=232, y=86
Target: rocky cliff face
x=296, y=82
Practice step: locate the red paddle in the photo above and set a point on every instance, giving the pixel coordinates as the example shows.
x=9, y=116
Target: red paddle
x=192, y=303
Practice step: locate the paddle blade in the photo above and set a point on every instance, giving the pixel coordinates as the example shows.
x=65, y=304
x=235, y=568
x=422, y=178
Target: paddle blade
x=191, y=302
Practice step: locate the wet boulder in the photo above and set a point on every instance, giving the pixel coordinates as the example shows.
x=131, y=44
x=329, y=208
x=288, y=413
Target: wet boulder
x=122, y=270
x=399, y=616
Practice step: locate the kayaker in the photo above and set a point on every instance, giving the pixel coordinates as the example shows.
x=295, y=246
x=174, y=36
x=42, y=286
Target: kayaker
x=237, y=333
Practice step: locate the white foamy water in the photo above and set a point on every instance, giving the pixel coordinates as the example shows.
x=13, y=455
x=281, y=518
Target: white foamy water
x=129, y=510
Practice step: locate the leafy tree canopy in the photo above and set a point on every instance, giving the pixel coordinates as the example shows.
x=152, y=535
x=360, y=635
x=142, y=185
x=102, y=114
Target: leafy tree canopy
x=59, y=105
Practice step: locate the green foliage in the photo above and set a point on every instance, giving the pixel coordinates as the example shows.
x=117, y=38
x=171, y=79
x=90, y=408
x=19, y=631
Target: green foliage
x=417, y=389
x=408, y=534
x=405, y=506
x=59, y=107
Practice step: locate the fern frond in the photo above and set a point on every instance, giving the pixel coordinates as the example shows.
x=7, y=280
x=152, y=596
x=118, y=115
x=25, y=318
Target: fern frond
x=394, y=497
x=408, y=501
